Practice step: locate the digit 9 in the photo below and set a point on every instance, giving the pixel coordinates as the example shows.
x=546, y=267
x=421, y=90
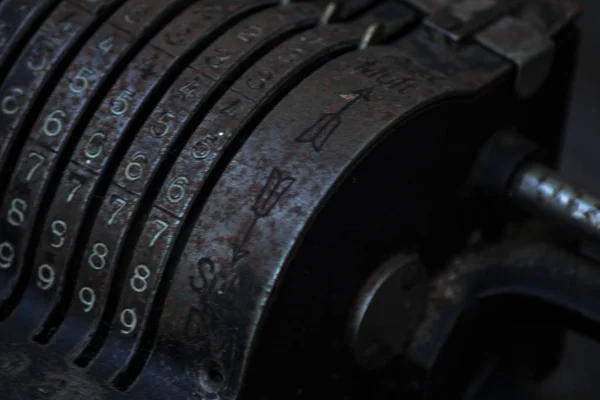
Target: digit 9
x=7, y=255
x=46, y=276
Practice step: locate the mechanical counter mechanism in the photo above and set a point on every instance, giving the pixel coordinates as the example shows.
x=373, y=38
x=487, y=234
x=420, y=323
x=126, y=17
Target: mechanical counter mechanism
x=242, y=199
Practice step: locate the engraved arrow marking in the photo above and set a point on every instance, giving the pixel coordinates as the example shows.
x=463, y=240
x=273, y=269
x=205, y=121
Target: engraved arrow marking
x=210, y=278
x=277, y=185
x=319, y=132
x=264, y=203
x=238, y=253
x=195, y=326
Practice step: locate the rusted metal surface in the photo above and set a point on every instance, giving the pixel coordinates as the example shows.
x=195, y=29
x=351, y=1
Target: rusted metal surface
x=250, y=97
x=267, y=196
x=251, y=92
x=111, y=230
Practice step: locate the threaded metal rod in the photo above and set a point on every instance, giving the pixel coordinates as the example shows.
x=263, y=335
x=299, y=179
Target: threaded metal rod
x=541, y=190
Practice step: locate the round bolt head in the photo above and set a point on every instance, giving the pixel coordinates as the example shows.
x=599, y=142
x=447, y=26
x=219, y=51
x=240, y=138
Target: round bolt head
x=387, y=310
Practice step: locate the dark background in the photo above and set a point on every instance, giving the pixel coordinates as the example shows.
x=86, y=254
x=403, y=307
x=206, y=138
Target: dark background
x=578, y=378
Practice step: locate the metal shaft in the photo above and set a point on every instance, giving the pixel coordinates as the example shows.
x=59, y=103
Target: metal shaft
x=541, y=190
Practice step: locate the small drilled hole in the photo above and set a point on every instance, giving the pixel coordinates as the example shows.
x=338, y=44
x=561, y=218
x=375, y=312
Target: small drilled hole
x=211, y=376
x=215, y=375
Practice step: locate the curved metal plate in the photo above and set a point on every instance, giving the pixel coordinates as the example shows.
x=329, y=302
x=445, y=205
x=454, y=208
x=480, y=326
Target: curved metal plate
x=266, y=198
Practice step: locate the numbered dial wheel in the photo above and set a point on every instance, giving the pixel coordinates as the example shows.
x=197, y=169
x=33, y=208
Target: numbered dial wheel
x=78, y=197
x=59, y=124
